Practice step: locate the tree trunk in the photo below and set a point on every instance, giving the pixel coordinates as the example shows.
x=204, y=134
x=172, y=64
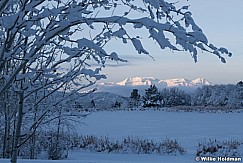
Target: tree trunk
x=18, y=128
x=32, y=146
x=57, y=147
x=5, y=125
x=6, y=143
x=14, y=130
x=33, y=138
x=6, y=106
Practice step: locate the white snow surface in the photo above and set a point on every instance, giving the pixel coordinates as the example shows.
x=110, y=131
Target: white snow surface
x=88, y=157
x=188, y=128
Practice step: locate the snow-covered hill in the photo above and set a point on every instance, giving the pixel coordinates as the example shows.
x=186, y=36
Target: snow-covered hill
x=103, y=100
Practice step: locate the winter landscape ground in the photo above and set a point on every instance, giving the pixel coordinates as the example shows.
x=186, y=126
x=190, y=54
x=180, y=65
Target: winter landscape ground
x=188, y=128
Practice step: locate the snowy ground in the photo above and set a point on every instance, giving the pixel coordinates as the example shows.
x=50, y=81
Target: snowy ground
x=188, y=128
x=114, y=158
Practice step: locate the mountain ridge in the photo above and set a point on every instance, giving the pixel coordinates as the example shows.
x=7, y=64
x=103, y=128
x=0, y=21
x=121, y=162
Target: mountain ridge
x=146, y=81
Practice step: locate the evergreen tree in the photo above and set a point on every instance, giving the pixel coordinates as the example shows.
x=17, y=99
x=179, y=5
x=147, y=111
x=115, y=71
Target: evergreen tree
x=135, y=98
x=134, y=94
x=117, y=104
x=151, y=97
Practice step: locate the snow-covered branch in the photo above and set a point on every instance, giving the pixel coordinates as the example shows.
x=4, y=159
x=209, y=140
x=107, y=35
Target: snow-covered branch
x=47, y=45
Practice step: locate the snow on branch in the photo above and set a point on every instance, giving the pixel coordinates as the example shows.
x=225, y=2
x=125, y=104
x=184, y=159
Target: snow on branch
x=50, y=34
x=61, y=45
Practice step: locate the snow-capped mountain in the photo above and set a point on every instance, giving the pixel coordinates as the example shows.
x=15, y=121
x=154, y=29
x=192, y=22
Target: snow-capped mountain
x=141, y=83
x=146, y=81
x=138, y=81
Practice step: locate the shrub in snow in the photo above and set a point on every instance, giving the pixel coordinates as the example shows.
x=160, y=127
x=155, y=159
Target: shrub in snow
x=130, y=145
x=202, y=109
x=56, y=152
x=47, y=146
x=231, y=148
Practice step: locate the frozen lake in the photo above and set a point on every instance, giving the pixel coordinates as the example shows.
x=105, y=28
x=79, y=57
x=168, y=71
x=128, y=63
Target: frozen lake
x=187, y=127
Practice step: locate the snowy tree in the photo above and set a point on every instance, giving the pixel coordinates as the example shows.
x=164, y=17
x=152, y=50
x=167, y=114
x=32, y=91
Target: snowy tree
x=219, y=96
x=151, y=97
x=240, y=83
x=174, y=97
x=239, y=86
x=117, y=105
x=134, y=98
x=135, y=95
x=35, y=33
x=48, y=45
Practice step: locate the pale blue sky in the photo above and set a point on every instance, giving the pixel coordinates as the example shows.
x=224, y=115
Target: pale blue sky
x=220, y=20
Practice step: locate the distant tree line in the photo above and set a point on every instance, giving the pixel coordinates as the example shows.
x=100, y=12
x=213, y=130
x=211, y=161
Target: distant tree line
x=167, y=97
x=212, y=95
x=219, y=95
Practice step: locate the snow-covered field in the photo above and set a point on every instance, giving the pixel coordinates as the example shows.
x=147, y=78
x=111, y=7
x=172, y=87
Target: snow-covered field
x=188, y=128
